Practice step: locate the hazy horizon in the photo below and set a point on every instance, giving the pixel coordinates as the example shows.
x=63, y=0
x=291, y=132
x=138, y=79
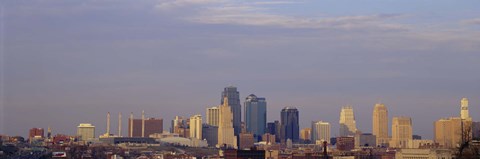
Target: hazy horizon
x=70, y=62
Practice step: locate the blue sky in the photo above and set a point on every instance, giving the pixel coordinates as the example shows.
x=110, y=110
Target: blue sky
x=67, y=62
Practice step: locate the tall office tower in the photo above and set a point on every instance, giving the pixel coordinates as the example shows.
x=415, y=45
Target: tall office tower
x=274, y=129
x=210, y=133
x=226, y=133
x=401, y=132
x=256, y=115
x=145, y=127
x=234, y=102
x=36, y=132
x=347, y=122
x=320, y=132
x=86, y=131
x=196, y=127
x=305, y=134
x=464, y=109
x=380, y=124
x=448, y=132
x=290, y=124
x=213, y=116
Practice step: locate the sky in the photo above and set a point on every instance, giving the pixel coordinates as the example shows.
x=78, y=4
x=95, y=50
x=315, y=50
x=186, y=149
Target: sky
x=70, y=62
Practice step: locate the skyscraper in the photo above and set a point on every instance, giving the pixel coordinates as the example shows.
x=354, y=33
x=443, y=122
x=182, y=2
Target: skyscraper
x=213, y=116
x=255, y=115
x=348, y=126
x=320, y=132
x=196, y=127
x=86, y=131
x=234, y=102
x=226, y=133
x=401, y=132
x=464, y=109
x=380, y=124
x=289, y=124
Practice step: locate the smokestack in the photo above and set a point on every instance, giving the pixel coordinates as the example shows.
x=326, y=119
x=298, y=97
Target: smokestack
x=108, y=124
x=119, y=124
x=131, y=124
x=143, y=123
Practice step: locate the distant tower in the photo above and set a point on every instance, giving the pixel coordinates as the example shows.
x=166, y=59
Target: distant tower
x=131, y=125
x=464, y=109
x=196, y=127
x=143, y=123
x=86, y=131
x=348, y=126
x=213, y=116
x=320, y=132
x=380, y=124
x=49, y=133
x=234, y=103
x=108, y=124
x=256, y=115
x=289, y=124
x=119, y=124
x=226, y=133
x=401, y=132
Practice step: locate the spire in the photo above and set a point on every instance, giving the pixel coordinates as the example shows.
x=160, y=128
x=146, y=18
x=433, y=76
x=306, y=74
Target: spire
x=131, y=124
x=108, y=124
x=143, y=123
x=119, y=124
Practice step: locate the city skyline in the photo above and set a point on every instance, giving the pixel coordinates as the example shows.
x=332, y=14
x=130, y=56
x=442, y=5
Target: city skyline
x=70, y=62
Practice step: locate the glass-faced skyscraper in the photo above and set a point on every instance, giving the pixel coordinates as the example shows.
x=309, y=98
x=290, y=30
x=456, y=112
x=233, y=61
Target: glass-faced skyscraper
x=234, y=102
x=290, y=126
x=255, y=115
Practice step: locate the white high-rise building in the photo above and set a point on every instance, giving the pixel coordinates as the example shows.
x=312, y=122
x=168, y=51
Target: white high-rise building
x=226, y=133
x=320, y=131
x=348, y=126
x=380, y=124
x=464, y=109
x=196, y=127
x=86, y=131
x=213, y=116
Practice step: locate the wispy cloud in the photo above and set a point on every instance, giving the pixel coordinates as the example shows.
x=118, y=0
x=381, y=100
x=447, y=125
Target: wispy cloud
x=172, y=4
x=475, y=21
x=247, y=15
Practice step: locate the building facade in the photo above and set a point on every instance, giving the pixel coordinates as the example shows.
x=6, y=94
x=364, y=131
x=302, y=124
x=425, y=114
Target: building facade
x=255, y=115
x=401, y=132
x=144, y=127
x=290, y=124
x=320, y=132
x=213, y=116
x=226, y=133
x=234, y=103
x=86, y=131
x=348, y=126
x=380, y=124
x=196, y=127
x=36, y=132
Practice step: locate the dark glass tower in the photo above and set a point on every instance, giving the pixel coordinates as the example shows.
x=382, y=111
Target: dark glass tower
x=255, y=115
x=234, y=102
x=290, y=126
